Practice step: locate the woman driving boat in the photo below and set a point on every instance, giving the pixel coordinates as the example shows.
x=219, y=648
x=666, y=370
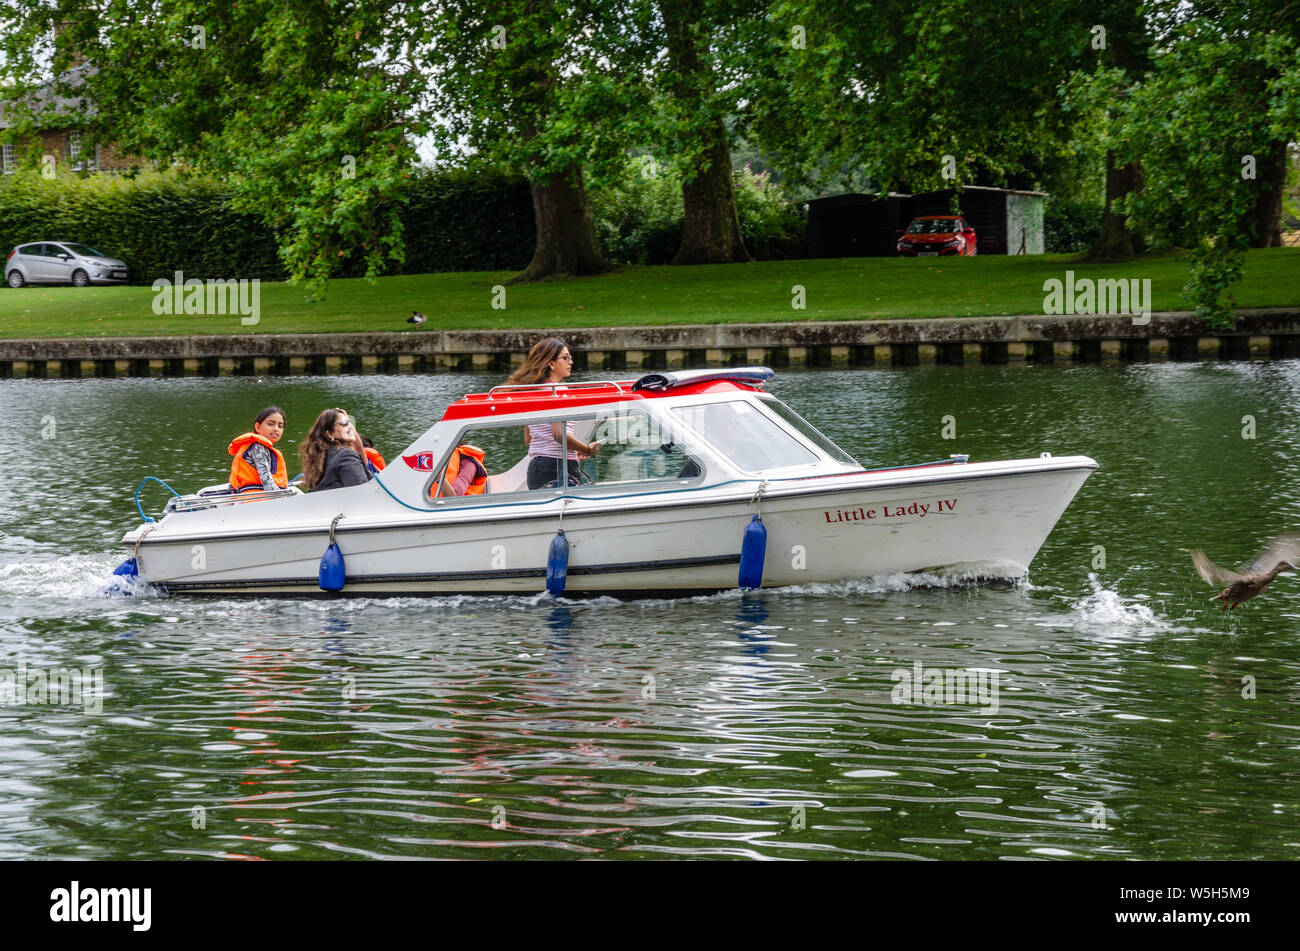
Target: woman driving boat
x=549, y=361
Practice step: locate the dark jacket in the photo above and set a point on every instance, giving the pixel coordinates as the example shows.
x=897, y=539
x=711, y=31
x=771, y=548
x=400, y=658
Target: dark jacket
x=343, y=467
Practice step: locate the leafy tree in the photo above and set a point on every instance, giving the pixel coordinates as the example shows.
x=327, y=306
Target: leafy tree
x=639, y=216
x=1175, y=98
x=703, y=44
x=1208, y=124
x=311, y=113
x=919, y=96
x=546, y=89
x=569, y=90
x=1123, y=33
x=302, y=111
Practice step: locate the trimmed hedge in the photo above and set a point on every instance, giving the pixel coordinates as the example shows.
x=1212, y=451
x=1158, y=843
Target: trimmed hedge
x=160, y=223
x=156, y=223
x=462, y=220
x=454, y=220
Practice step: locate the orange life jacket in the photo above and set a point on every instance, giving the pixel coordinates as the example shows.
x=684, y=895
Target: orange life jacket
x=375, y=459
x=479, y=485
x=243, y=473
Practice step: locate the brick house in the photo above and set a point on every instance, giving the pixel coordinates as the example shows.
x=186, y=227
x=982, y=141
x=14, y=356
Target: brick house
x=59, y=135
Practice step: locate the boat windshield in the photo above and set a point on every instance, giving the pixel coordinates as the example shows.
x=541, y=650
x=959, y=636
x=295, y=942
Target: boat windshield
x=808, y=431
x=742, y=434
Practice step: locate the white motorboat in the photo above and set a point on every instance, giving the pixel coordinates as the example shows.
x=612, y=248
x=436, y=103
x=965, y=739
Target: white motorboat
x=666, y=507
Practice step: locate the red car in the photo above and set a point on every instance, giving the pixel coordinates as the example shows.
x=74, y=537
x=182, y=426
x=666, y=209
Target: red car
x=933, y=235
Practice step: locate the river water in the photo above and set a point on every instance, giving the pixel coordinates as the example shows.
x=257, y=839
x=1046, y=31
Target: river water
x=1132, y=719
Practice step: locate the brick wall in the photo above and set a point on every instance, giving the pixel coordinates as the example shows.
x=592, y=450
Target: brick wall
x=56, y=142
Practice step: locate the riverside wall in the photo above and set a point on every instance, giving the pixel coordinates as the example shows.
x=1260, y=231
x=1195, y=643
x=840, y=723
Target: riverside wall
x=1257, y=334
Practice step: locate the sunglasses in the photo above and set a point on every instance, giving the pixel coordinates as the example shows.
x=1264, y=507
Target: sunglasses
x=345, y=422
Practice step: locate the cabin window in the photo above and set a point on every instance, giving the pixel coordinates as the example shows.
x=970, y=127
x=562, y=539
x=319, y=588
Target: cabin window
x=502, y=447
x=751, y=441
x=808, y=431
x=635, y=449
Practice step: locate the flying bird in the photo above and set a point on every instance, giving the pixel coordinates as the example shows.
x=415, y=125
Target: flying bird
x=416, y=318
x=1281, y=555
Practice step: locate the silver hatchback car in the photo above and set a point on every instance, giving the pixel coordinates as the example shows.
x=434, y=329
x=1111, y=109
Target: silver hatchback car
x=62, y=262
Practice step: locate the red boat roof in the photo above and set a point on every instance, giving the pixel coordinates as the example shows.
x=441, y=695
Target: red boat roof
x=506, y=401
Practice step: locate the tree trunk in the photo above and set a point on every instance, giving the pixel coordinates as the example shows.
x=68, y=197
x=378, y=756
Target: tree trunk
x=566, y=236
x=1127, y=48
x=1116, y=241
x=711, y=226
x=1270, y=181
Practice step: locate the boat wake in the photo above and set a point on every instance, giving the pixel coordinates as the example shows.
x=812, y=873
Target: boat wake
x=70, y=577
x=906, y=581
x=1107, y=613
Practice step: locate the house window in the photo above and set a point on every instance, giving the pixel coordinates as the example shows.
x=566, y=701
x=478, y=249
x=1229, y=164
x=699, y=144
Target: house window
x=74, y=146
x=7, y=158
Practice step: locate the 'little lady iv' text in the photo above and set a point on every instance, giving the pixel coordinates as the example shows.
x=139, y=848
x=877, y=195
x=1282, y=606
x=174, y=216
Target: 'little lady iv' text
x=916, y=509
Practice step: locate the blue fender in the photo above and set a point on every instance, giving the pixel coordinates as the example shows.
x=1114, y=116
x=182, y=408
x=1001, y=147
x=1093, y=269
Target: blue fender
x=557, y=564
x=753, y=549
x=333, y=574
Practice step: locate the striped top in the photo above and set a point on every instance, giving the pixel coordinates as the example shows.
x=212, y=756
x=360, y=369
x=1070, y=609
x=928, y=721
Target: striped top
x=542, y=443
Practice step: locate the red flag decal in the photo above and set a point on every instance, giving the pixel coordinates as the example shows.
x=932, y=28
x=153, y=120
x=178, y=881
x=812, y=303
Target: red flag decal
x=421, y=461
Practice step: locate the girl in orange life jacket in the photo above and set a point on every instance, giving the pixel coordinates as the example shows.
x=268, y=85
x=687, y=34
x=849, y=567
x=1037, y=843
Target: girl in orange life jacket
x=374, y=461
x=257, y=464
x=464, y=475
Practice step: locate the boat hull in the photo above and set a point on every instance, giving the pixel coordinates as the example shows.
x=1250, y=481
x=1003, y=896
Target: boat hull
x=984, y=520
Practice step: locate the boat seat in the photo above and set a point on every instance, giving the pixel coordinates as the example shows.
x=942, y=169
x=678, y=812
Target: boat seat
x=636, y=465
x=514, y=479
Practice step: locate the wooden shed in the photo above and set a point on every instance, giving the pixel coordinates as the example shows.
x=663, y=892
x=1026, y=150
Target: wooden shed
x=1007, y=221
x=856, y=225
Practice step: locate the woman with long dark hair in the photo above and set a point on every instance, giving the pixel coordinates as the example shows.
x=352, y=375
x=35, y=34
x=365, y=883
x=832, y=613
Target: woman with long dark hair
x=549, y=361
x=331, y=453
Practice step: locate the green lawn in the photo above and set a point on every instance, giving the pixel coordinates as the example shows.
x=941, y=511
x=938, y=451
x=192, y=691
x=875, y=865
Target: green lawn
x=853, y=289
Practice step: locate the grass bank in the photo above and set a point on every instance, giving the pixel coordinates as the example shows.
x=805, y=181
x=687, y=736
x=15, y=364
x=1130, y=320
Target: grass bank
x=834, y=289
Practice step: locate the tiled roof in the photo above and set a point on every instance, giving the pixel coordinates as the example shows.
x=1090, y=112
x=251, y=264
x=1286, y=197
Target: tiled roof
x=47, y=100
